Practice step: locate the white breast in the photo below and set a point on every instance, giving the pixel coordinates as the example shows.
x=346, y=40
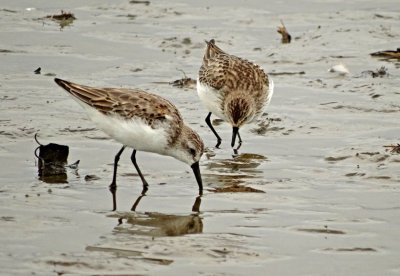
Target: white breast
x=271, y=92
x=211, y=98
x=134, y=133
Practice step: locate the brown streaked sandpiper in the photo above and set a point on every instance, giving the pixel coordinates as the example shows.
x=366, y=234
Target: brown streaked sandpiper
x=232, y=88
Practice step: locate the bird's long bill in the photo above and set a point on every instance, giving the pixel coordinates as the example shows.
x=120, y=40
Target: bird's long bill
x=197, y=174
x=235, y=131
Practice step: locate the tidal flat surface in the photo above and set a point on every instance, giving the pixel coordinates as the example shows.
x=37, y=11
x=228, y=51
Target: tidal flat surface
x=312, y=190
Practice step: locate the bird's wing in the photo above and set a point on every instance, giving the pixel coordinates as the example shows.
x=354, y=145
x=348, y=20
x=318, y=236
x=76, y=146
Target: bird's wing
x=226, y=73
x=126, y=103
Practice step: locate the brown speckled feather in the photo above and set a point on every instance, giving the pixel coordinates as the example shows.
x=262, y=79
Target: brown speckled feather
x=231, y=74
x=128, y=103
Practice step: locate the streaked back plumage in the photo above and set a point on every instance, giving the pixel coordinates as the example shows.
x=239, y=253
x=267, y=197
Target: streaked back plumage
x=128, y=104
x=230, y=74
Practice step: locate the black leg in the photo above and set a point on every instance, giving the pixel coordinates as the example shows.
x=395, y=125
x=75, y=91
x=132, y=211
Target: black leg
x=235, y=151
x=113, y=185
x=145, y=185
x=208, y=121
x=116, y=159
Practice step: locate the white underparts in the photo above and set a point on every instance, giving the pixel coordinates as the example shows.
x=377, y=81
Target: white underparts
x=134, y=133
x=271, y=92
x=211, y=98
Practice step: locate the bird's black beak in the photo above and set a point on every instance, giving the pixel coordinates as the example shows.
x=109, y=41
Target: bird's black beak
x=196, y=171
x=235, y=131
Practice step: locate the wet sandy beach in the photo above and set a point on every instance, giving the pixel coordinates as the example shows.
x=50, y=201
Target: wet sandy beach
x=312, y=191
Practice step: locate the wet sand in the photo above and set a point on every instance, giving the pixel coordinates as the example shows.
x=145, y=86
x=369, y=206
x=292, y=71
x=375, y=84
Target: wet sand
x=312, y=190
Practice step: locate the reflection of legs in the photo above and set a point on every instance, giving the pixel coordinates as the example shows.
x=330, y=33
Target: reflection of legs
x=208, y=121
x=114, y=197
x=240, y=139
x=133, y=158
x=235, y=151
x=145, y=185
x=137, y=201
x=196, y=205
x=113, y=185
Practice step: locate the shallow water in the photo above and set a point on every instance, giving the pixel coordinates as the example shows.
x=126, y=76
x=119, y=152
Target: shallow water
x=329, y=200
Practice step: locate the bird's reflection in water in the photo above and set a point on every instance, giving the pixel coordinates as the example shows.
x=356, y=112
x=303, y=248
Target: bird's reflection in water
x=195, y=207
x=236, y=171
x=157, y=224
x=138, y=201
x=54, y=179
x=113, y=191
x=196, y=204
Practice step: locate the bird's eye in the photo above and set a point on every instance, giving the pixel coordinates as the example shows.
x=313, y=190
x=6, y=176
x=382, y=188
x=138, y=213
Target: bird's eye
x=192, y=151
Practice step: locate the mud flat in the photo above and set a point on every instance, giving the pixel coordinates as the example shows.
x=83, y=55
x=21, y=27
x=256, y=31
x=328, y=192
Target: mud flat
x=312, y=190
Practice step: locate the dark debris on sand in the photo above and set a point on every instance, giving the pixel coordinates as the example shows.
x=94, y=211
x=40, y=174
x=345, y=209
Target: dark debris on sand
x=62, y=16
x=286, y=37
x=140, y=2
x=52, y=158
x=273, y=73
x=52, y=162
x=387, y=54
x=395, y=149
x=184, y=82
x=380, y=72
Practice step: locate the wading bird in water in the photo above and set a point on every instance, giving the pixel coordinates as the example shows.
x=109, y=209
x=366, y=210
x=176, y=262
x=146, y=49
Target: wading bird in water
x=141, y=121
x=232, y=88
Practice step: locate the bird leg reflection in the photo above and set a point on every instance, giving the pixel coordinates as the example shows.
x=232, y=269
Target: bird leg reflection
x=235, y=151
x=240, y=139
x=138, y=199
x=113, y=185
x=196, y=205
x=113, y=190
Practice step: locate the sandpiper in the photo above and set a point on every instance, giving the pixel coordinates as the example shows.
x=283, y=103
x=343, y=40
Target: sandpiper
x=141, y=121
x=232, y=88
